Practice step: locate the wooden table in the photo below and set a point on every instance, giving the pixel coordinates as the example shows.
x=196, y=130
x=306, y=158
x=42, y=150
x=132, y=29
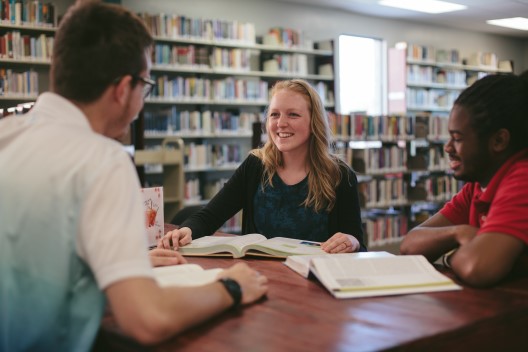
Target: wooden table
x=300, y=315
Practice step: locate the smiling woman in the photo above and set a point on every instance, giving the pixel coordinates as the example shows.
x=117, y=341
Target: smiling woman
x=291, y=187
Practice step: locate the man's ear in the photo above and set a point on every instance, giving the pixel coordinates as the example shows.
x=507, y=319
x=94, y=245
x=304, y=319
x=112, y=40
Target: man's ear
x=500, y=140
x=123, y=89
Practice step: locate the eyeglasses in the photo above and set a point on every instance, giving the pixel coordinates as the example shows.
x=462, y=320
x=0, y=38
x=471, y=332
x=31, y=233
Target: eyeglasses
x=148, y=85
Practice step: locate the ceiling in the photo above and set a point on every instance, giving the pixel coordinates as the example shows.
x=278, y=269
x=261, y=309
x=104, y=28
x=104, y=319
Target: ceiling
x=473, y=18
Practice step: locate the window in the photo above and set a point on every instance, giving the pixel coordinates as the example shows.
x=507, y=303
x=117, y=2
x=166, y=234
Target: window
x=361, y=75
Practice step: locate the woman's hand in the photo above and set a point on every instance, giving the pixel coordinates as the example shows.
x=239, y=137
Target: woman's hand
x=164, y=257
x=176, y=238
x=341, y=243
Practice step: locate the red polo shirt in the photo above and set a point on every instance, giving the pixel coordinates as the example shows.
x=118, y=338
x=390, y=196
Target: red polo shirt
x=501, y=207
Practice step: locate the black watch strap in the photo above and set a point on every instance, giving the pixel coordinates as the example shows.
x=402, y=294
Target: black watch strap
x=233, y=288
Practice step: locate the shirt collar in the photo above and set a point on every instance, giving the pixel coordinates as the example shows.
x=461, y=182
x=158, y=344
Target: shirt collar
x=493, y=185
x=53, y=106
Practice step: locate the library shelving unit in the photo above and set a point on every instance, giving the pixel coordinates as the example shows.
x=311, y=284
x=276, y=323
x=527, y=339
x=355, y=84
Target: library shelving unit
x=170, y=157
x=422, y=78
x=402, y=171
x=212, y=85
x=26, y=43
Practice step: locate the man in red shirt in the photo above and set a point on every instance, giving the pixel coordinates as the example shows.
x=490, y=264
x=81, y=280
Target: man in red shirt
x=483, y=231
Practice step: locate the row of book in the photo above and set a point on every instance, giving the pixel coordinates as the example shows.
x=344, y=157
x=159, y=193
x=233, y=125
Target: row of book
x=205, y=155
x=429, y=54
x=24, y=84
x=367, y=127
x=441, y=188
x=382, y=229
x=27, y=12
x=483, y=59
x=190, y=57
x=175, y=26
x=173, y=122
x=391, y=191
x=421, y=52
x=390, y=160
x=437, y=127
x=396, y=191
x=437, y=158
x=286, y=63
x=193, y=189
x=14, y=45
x=206, y=89
x=430, y=99
x=388, y=128
x=231, y=59
x=287, y=37
x=418, y=74
x=387, y=159
x=181, y=55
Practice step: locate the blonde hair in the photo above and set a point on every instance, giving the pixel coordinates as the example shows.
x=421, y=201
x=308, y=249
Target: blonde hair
x=324, y=174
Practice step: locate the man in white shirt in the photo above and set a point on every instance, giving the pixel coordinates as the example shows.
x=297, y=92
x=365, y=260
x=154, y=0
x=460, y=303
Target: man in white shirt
x=71, y=221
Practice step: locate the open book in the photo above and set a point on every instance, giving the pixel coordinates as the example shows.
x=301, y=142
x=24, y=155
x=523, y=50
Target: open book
x=184, y=275
x=346, y=276
x=302, y=264
x=251, y=244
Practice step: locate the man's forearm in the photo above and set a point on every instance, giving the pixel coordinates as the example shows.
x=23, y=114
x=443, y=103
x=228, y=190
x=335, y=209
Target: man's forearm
x=430, y=242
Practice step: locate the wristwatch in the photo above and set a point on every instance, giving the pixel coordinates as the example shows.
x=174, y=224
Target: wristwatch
x=234, y=290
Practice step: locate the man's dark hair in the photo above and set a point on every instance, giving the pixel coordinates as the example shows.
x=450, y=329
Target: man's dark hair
x=499, y=101
x=95, y=44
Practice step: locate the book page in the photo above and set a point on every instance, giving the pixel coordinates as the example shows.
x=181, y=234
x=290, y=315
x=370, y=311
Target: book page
x=301, y=264
x=184, y=275
x=360, y=277
x=283, y=247
x=217, y=244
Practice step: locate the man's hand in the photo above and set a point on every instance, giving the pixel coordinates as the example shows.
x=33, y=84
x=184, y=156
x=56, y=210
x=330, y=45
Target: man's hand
x=253, y=284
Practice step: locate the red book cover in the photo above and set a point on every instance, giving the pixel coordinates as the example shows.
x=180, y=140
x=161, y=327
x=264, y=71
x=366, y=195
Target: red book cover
x=27, y=46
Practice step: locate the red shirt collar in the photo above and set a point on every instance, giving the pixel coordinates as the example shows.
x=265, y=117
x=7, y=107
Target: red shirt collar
x=495, y=181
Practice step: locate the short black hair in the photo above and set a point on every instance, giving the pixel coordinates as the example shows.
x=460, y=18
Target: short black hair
x=95, y=44
x=499, y=101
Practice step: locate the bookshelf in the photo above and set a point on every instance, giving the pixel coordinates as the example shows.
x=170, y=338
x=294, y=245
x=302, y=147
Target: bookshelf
x=422, y=78
x=423, y=83
x=402, y=170
x=26, y=41
x=170, y=157
x=213, y=79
